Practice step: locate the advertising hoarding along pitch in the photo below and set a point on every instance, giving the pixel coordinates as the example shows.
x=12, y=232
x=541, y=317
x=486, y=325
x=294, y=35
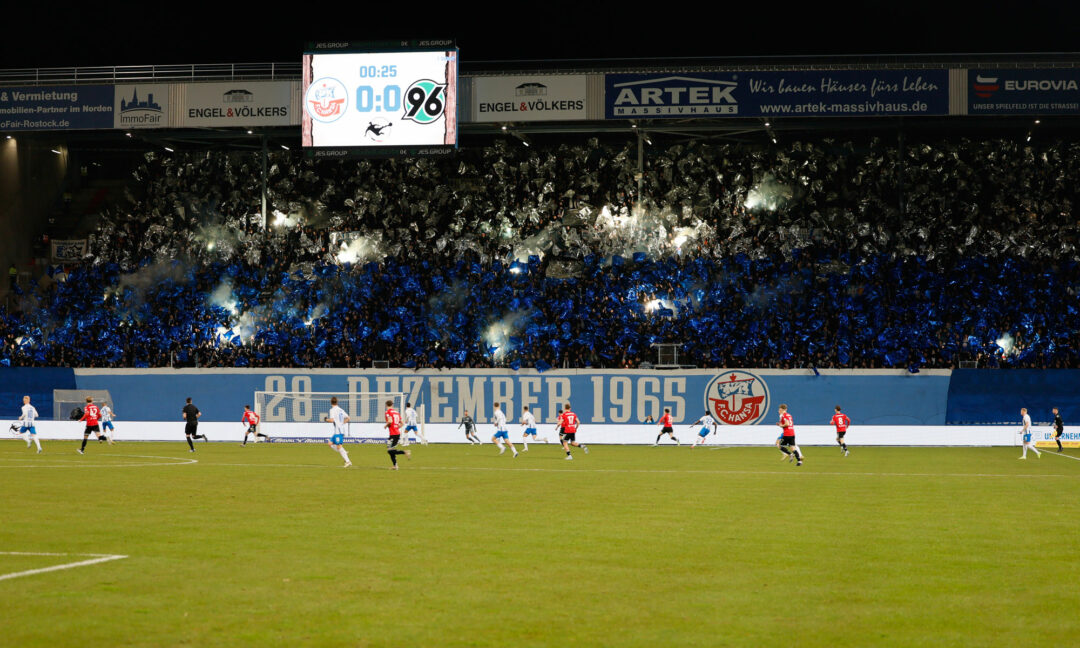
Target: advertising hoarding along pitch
x=795, y=93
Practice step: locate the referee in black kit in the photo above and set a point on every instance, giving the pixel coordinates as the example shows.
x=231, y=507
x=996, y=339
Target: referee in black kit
x=1059, y=428
x=191, y=430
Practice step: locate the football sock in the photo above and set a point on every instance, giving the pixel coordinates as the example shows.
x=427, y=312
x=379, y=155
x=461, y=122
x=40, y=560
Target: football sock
x=785, y=450
x=1059, y=443
x=525, y=443
x=798, y=455
x=343, y=453
x=84, y=443
x=190, y=444
x=26, y=437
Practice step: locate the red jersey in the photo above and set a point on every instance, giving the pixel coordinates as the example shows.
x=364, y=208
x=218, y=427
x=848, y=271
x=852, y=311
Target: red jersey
x=568, y=421
x=787, y=424
x=665, y=420
x=394, y=419
x=90, y=414
x=841, y=421
x=251, y=418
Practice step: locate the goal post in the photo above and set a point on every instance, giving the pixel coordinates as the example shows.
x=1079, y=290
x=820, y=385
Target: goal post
x=301, y=416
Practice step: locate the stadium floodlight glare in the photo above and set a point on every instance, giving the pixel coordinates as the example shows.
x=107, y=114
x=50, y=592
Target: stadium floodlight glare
x=168, y=149
x=285, y=147
x=59, y=153
x=767, y=124
x=250, y=132
x=1029, y=138
x=127, y=134
x=1038, y=121
x=8, y=136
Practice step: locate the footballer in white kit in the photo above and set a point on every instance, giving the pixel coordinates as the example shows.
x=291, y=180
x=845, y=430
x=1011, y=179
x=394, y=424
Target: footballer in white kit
x=501, y=434
x=528, y=421
x=106, y=421
x=27, y=430
x=708, y=424
x=411, y=425
x=338, y=418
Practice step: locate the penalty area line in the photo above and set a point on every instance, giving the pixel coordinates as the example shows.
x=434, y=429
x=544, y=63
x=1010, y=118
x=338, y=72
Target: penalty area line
x=96, y=559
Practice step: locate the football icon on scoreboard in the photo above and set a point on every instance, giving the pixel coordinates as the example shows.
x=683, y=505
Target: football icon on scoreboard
x=737, y=398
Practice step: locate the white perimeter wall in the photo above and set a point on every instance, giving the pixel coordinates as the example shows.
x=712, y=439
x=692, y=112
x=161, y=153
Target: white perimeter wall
x=952, y=435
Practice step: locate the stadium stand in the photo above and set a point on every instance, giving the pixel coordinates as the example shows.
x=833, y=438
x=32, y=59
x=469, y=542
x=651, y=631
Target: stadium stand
x=803, y=255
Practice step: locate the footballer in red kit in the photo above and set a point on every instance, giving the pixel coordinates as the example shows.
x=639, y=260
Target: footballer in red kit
x=841, y=421
x=91, y=414
x=568, y=426
x=251, y=419
x=787, y=437
x=666, y=427
x=393, y=425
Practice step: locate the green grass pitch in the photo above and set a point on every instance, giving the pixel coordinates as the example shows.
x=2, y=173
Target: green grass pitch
x=276, y=544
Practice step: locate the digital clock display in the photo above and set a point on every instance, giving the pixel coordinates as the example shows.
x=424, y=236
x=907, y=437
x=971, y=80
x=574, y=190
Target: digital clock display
x=380, y=99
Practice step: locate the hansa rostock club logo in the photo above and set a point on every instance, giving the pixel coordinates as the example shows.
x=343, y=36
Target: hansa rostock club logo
x=326, y=99
x=737, y=398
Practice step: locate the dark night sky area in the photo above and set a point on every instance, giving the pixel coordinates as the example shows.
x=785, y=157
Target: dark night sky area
x=90, y=34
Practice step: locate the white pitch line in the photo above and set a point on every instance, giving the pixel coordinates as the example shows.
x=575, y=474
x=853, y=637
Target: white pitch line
x=655, y=471
x=99, y=558
x=1061, y=454
x=74, y=463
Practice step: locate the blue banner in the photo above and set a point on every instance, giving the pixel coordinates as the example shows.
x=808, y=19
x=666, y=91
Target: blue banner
x=734, y=397
x=840, y=93
x=56, y=107
x=1024, y=92
x=989, y=397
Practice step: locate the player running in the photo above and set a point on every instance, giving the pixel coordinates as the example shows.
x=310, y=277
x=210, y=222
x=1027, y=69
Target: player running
x=841, y=421
x=706, y=422
x=91, y=414
x=251, y=419
x=501, y=433
x=787, y=438
x=27, y=431
x=338, y=418
x=528, y=421
x=106, y=421
x=666, y=428
x=1059, y=429
x=568, y=427
x=470, y=429
x=1026, y=432
x=191, y=428
x=393, y=424
x=411, y=426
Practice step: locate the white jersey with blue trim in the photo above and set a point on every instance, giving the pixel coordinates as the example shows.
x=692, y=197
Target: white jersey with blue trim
x=337, y=417
x=500, y=420
x=106, y=414
x=708, y=421
x=528, y=420
x=410, y=416
x=29, y=414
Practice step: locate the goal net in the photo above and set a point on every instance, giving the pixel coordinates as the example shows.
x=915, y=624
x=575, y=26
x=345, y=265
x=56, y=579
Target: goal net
x=67, y=401
x=301, y=416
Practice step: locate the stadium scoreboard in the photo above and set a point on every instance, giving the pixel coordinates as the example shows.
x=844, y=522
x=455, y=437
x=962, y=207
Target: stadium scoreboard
x=380, y=99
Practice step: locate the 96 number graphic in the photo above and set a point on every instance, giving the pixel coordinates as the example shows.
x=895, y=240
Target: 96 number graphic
x=425, y=101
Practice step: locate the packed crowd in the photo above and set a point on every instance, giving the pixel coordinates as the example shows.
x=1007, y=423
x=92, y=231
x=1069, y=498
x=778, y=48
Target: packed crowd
x=820, y=254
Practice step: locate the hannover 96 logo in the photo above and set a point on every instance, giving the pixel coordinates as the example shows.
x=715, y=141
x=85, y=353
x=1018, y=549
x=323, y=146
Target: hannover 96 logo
x=737, y=398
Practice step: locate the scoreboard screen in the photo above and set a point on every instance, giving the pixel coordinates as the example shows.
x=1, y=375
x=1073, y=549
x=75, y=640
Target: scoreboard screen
x=380, y=102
